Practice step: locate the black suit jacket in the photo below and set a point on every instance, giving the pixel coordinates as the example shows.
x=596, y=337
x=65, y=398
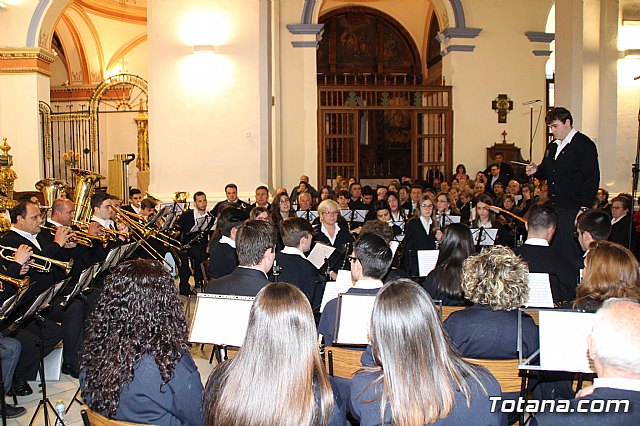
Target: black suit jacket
x=563, y=276
x=620, y=231
x=574, y=177
x=40, y=281
x=301, y=273
x=239, y=203
x=186, y=223
x=223, y=259
x=128, y=208
x=241, y=282
x=416, y=238
x=343, y=238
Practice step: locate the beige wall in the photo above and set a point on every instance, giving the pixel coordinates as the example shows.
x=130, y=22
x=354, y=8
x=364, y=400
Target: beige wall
x=205, y=125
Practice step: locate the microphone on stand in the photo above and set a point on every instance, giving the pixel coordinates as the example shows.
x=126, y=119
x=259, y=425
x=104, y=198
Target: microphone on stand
x=531, y=102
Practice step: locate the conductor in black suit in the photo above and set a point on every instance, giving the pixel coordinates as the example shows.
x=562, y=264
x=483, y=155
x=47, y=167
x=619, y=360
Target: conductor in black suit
x=570, y=167
x=563, y=276
x=297, y=235
x=256, y=248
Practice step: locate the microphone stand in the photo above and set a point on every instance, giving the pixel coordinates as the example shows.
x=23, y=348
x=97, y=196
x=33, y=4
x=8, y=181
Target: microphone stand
x=635, y=172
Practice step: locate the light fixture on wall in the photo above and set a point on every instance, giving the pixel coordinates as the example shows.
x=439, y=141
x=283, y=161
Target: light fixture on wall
x=204, y=48
x=632, y=54
x=2, y=5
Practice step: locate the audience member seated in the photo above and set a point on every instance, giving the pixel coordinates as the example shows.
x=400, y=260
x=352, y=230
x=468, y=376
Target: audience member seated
x=136, y=365
x=614, y=347
x=602, y=201
x=610, y=271
x=277, y=377
x=526, y=202
x=461, y=174
x=621, y=221
x=497, y=281
x=443, y=283
x=416, y=380
x=541, y=226
x=256, y=248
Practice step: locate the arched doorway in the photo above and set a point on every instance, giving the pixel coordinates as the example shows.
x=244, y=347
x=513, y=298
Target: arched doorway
x=377, y=120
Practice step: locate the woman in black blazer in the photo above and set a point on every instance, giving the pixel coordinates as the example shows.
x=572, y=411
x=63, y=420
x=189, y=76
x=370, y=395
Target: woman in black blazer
x=332, y=232
x=421, y=233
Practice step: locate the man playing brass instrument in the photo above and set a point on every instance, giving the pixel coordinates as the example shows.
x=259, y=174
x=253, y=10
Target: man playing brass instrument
x=26, y=238
x=195, y=227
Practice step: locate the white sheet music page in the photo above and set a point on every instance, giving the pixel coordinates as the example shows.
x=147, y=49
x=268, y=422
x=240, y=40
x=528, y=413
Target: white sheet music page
x=539, y=291
x=319, y=253
x=427, y=260
x=393, y=245
x=332, y=289
x=220, y=320
x=355, y=314
x=563, y=340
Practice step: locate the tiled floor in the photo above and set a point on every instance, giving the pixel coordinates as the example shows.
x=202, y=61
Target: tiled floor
x=67, y=386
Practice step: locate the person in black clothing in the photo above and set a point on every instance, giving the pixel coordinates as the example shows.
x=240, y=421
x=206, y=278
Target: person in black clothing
x=444, y=282
x=135, y=197
x=542, y=258
x=570, y=167
x=421, y=233
x=621, y=222
x=486, y=219
x=411, y=205
x=222, y=248
x=332, y=232
x=256, y=247
x=231, y=192
x=297, y=235
x=506, y=171
x=195, y=226
x=593, y=225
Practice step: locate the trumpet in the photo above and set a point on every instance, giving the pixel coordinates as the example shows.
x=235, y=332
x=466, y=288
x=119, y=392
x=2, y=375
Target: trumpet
x=38, y=262
x=21, y=284
x=74, y=237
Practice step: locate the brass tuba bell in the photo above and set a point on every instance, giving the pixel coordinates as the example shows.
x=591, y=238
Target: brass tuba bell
x=180, y=197
x=86, y=182
x=51, y=189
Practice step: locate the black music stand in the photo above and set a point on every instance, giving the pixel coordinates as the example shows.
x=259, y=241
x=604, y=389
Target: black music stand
x=41, y=303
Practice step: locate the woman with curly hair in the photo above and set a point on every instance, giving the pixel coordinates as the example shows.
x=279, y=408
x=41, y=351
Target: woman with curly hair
x=497, y=282
x=277, y=377
x=414, y=380
x=610, y=271
x=135, y=363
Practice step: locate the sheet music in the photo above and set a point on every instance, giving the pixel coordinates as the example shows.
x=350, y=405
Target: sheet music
x=400, y=224
x=563, y=340
x=359, y=215
x=319, y=253
x=201, y=223
x=488, y=237
x=310, y=215
x=448, y=219
x=332, y=289
x=539, y=291
x=220, y=319
x=427, y=260
x=394, y=247
x=354, y=316
x=346, y=214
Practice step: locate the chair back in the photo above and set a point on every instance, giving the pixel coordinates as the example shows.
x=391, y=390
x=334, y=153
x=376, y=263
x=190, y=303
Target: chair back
x=342, y=362
x=448, y=310
x=91, y=418
x=505, y=371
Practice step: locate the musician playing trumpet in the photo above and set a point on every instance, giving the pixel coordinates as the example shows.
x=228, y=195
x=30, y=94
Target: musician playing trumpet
x=27, y=239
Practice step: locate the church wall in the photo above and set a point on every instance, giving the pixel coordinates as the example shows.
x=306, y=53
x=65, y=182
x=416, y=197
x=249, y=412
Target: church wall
x=204, y=125
x=15, y=23
x=502, y=62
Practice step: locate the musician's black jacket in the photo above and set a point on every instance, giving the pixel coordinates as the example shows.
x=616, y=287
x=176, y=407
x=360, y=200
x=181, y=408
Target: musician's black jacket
x=574, y=176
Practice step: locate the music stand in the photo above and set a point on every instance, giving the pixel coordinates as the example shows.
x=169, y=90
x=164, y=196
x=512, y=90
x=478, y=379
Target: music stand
x=353, y=314
x=129, y=248
x=484, y=236
x=154, y=221
x=40, y=303
x=220, y=320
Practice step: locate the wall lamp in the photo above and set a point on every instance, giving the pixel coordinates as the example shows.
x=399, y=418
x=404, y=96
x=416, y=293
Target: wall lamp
x=204, y=48
x=2, y=5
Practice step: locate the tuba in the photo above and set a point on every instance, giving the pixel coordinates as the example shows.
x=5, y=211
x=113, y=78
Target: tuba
x=86, y=182
x=51, y=189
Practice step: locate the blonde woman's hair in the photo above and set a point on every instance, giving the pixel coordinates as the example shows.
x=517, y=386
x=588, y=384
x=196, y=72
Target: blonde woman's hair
x=496, y=278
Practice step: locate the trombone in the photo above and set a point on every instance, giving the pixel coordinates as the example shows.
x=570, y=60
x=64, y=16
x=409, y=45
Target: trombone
x=110, y=234
x=38, y=262
x=21, y=284
x=80, y=239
